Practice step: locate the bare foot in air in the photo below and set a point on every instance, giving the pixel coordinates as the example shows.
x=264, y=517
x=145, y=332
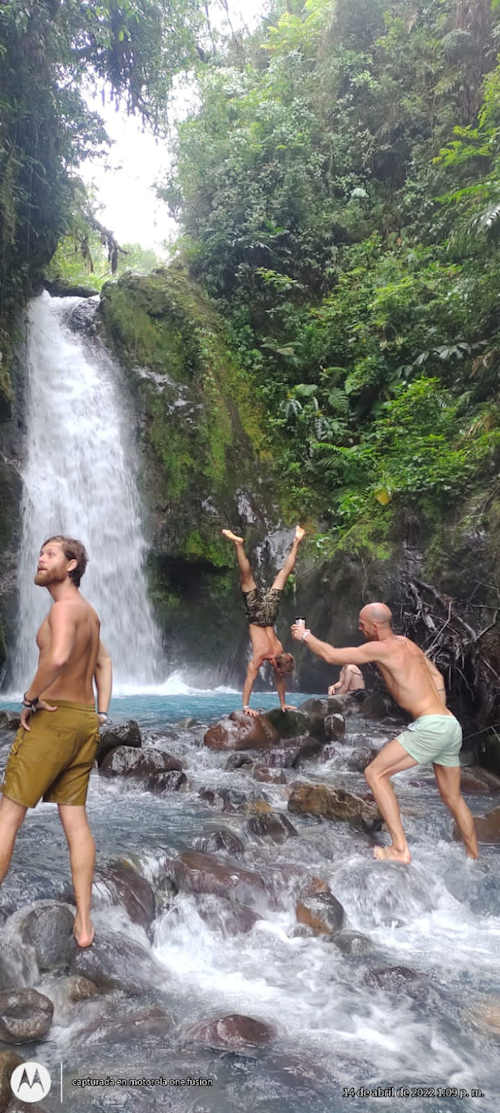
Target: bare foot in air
x=232, y=536
x=390, y=854
x=84, y=936
x=299, y=533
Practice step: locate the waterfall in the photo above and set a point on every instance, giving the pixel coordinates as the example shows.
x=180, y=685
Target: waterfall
x=80, y=480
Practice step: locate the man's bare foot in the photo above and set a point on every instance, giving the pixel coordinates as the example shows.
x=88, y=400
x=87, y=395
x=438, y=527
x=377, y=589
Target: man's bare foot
x=232, y=536
x=84, y=936
x=390, y=854
x=299, y=533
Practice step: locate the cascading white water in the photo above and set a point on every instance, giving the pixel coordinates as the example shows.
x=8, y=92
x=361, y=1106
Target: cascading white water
x=80, y=480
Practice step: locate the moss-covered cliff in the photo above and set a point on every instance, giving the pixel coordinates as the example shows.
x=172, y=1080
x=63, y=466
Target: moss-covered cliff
x=206, y=461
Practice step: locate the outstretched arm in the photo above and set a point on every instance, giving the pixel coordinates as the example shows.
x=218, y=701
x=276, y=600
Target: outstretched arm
x=103, y=676
x=357, y=655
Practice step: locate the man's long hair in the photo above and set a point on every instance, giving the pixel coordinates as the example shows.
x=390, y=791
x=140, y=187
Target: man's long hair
x=73, y=550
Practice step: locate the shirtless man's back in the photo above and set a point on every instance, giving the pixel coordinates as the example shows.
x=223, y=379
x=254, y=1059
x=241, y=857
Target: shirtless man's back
x=434, y=735
x=54, y=749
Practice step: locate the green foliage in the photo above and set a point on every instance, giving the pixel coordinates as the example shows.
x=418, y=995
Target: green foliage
x=323, y=186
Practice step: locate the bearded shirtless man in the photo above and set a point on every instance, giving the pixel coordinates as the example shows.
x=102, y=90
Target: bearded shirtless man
x=55, y=747
x=261, y=607
x=434, y=735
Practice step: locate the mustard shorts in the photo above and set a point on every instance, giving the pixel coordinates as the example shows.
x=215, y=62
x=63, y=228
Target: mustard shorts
x=53, y=760
x=433, y=738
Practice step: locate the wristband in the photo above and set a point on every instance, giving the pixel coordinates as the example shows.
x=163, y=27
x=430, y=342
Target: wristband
x=305, y=635
x=103, y=714
x=31, y=704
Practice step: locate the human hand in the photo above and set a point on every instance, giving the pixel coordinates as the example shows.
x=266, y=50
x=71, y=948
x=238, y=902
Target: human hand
x=250, y=711
x=298, y=632
x=332, y=689
x=288, y=707
x=27, y=712
x=299, y=533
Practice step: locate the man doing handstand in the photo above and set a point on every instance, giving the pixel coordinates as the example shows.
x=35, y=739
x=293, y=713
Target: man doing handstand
x=261, y=607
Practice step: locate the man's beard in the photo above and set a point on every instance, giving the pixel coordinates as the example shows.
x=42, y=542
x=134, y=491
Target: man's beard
x=46, y=579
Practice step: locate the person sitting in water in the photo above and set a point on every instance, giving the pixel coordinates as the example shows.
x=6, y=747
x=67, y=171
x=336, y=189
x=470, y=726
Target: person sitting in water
x=261, y=607
x=350, y=680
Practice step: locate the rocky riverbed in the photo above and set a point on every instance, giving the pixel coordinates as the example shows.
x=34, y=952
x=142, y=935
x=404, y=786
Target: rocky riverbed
x=245, y=937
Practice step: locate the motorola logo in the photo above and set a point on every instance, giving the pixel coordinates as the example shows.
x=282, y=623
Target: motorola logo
x=30, y=1081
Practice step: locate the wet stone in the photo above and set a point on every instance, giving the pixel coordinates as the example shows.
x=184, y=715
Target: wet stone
x=25, y=1016
x=219, y=839
x=18, y=966
x=203, y=873
x=334, y=726
x=397, y=979
x=127, y=734
x=130, y=762
x=331, y=803
x=231, y=1033
x=10, y=720
x=271, y=826
x=237, y=761
x=487, y=828
x=353, y=943
x=161, y=783
x=130, y=888
x=116, y=961
x=321, y=912
x=241, y=732
x=269, y=776
x=48, y=927
x=226, y=917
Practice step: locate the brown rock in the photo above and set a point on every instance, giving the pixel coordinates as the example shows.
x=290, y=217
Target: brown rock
x=127, y=761
x=331, y=803
x=241, y=732
x=221, y=838
x=487, y=828
x=203, y=873
x=273, y=826
x=231, y=1033
x=132, y=889
x=321, y=912
x=487, y=1016
x=268, y=775
x=25, y=1016
x=80, y=988
x=126, y=734
x=225, y=917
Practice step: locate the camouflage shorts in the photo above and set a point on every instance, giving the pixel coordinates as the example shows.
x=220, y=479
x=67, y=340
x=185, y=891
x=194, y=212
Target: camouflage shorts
x=262, y=605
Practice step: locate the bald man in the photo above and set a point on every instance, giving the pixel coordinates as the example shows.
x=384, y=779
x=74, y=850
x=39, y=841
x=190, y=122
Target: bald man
x=434, y=735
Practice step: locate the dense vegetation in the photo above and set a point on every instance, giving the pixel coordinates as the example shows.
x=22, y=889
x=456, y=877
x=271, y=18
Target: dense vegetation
x=338, y=191
x=340, y=198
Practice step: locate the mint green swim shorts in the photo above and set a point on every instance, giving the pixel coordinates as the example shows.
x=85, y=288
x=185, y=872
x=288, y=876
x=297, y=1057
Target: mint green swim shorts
x=436, y=738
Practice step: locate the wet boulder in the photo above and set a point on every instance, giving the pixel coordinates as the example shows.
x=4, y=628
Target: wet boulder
x=231, y=1033
x=227, y=918
x=334, y=726
x=138, y=1025
x=48, y=927
x=161, y=783
x=115, y=961
x=289, y=724
x=8, y=1062
x=477, y=782
x=238, y=731
x=398, y=980
x=321, y=912
x=233, y=800
x=221, y=838
x=124, y=734
x=10, y=720
x=487, y=828
x=203, y=873
x=130, y=888
x=80, y=988
x=331, y=803
x=360, y=758
x=130, y=762
x=25, y=1016
x=237, y=761
x=487, y=1016
x=271, y=826
x=353, y=943
x=269, y=776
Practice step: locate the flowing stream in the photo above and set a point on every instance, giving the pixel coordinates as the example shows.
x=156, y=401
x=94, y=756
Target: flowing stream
x=340, y=1024
x=80, y=480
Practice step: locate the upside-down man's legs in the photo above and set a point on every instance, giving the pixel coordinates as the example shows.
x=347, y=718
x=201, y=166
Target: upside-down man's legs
x=289, y=564
x=247, y=581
